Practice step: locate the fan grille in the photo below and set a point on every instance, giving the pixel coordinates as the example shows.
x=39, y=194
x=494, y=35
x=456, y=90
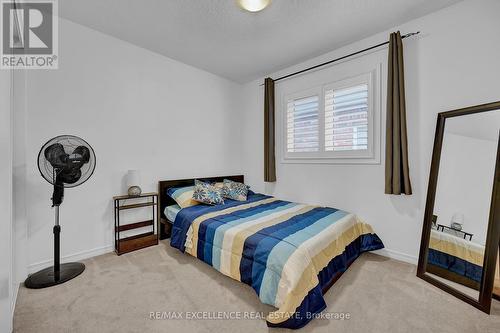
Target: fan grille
x=69, y=143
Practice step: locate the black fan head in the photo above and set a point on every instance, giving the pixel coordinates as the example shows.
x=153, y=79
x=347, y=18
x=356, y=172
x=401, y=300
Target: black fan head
x=67, y=159
x=56, y=155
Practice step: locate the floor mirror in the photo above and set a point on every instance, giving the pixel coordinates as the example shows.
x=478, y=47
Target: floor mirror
x=461, y=230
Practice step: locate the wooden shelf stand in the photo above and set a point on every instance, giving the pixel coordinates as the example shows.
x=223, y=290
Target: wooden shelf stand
x=139, y=241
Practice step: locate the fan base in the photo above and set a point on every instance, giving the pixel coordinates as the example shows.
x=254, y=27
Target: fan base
x=46, y=278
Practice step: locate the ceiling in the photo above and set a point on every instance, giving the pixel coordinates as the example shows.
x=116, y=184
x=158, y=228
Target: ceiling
x=219, y=37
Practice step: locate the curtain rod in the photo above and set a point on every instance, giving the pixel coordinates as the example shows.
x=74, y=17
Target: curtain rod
x=341, y=58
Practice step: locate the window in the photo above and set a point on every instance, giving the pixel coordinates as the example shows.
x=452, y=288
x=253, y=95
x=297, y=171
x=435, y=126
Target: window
x=333, y=123
x=346, y=118
x=303, y=124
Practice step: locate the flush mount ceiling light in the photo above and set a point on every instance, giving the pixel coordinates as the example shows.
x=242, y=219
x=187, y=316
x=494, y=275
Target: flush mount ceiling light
x=254, y=5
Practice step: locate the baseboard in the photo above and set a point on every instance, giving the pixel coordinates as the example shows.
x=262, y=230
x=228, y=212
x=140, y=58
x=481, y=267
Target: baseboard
x=13, y=305
x=396, y=255
x=32, y=268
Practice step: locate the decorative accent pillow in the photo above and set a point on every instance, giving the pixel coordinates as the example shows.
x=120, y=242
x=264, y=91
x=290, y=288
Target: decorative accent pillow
x=183, y=196
x=234, y=190
x=206, y=193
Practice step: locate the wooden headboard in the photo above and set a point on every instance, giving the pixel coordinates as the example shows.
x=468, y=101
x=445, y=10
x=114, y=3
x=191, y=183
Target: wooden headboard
x=165, y=200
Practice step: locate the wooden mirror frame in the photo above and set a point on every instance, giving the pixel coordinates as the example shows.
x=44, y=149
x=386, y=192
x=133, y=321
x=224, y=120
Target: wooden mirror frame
x=493, y=236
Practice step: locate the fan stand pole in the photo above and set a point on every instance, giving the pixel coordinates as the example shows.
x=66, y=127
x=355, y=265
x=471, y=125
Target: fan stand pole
x=57, y=248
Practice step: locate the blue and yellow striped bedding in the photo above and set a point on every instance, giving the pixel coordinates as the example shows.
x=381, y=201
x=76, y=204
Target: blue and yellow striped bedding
x=171, y=212
x=183, y=196
x=456, y=255
x=286, y=251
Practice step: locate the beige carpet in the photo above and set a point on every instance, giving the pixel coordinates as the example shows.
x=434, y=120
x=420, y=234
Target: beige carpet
x=117, y=294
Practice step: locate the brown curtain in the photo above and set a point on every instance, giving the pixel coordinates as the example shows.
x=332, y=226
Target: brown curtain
x=397, y=172
x=269, y=136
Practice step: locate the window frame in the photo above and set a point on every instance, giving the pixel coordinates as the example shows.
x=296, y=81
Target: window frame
x=368, y=156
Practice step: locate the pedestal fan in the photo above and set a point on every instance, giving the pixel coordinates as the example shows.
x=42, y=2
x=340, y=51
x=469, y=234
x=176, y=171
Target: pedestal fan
x=64, y=161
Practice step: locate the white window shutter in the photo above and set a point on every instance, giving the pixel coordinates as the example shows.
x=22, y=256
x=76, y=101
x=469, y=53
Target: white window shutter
x=346, y=118
x=303, y=125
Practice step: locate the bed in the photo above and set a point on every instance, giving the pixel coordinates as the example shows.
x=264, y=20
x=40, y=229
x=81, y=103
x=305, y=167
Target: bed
x=289, y=253
x=455, y=259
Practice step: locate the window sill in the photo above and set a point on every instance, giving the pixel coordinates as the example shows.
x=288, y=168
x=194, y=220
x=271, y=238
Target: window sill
x=341, y=161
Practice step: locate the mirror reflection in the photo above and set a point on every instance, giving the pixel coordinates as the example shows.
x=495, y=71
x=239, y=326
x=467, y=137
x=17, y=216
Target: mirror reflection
x=463, y=198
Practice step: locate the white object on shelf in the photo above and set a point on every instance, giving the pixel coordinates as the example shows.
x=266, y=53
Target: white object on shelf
x=133, y=178
x=457, y=221
x=133, y=183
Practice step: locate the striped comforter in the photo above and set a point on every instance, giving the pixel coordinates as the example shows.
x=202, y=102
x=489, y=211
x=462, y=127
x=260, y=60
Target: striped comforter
x=286, y=251
x=456, y=255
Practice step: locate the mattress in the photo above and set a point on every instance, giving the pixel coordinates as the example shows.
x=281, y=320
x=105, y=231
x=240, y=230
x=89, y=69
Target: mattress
x=171, y=212
x=287, y=252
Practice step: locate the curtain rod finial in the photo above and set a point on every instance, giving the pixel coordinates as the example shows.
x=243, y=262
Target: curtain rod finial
x=412, y=34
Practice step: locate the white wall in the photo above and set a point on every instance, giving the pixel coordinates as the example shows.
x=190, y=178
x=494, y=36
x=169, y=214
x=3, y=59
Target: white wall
x=6, y=262
x=19, y=208
x=465, y=182
x=453, y=63
x=138, y=110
